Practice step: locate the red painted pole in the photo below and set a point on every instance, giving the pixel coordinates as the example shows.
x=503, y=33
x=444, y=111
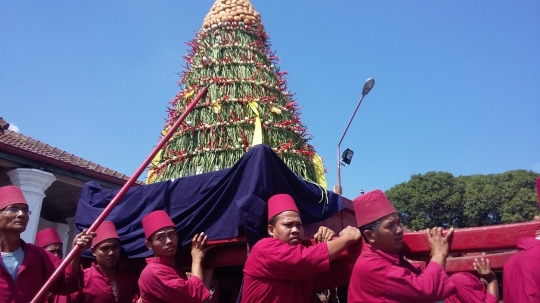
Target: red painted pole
x=119, y=195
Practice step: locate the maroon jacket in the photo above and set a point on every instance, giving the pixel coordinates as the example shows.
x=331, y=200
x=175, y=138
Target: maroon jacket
x=160, y=282
x=380, y=277
x=469, y=290
x=521, y=274
x=97, y=288
x=37, y=266
x=276, y=272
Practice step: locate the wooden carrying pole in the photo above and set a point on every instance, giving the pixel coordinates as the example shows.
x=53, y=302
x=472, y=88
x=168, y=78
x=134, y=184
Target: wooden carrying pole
x=119, y=195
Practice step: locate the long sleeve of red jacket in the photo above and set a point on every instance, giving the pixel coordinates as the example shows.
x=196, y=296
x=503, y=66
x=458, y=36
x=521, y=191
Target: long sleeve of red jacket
x=275, y=259
x=160, y=283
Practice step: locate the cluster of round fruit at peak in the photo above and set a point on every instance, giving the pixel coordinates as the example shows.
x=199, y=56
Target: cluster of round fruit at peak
x=232, y=11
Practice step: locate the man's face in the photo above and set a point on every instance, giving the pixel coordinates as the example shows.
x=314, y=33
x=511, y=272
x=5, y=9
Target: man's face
x=288, y=228
x=163, y=242
x=390, y=235
x=56, y=249
x=107, y=253
x=14, y=218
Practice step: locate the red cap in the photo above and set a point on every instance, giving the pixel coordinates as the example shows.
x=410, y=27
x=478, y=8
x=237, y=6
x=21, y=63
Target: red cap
x=104, y=232
x=155, y=221
x=372, y=206
x=280, y=203
x=11, y=195
x=47, y=237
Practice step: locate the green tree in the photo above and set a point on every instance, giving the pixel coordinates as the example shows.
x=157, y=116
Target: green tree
x=440, y=199
x=482, y=201
x=428, y=200
x=518, y=189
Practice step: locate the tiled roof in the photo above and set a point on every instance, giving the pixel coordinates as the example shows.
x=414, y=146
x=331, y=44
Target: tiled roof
x=38, y=148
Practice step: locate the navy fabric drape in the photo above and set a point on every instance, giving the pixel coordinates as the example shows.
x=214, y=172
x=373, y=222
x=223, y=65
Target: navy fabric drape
x=217, y=203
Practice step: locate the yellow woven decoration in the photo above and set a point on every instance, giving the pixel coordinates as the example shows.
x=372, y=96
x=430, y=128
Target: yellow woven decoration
x=257, y=134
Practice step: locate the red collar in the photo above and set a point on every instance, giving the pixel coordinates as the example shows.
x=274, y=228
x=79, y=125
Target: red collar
x=526, y=243
x=393, y=258
x=95, y=265
x=159, y=260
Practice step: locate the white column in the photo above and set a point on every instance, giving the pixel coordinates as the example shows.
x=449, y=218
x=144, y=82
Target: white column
x=33, y=183
x=72, y=232
x=64, y=233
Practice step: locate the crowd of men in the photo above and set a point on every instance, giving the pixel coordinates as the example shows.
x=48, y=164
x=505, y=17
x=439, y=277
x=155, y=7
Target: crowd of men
x=278, y=269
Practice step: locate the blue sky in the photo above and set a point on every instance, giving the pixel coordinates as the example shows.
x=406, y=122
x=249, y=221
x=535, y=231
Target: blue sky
x=457, y=82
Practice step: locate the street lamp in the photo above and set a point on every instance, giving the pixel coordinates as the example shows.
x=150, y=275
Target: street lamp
x=346, y=158
x=367, y=87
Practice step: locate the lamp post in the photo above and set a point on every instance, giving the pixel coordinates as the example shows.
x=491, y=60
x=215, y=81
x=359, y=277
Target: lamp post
x=367, y=87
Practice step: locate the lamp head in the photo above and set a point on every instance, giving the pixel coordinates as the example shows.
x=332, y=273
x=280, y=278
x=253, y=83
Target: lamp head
x=347, y=157
x=368, y=86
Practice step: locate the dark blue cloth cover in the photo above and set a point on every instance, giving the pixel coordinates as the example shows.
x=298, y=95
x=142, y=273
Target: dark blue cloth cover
x=218, y=203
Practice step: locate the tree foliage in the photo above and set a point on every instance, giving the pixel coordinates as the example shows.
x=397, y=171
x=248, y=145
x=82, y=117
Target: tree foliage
x=440, y=199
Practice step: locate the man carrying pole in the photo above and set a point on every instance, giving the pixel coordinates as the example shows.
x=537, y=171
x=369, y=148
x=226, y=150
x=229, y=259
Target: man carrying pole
x=280, y=269
x=25, y=267
x=381, y=274
x=49, y=240
x=161, y=281
x=521, y=274
x=104, y=281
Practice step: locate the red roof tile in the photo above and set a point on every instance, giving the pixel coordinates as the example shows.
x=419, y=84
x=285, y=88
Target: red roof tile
x=38, y=148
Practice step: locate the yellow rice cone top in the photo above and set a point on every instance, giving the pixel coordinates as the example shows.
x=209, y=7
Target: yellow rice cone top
x=232, y=11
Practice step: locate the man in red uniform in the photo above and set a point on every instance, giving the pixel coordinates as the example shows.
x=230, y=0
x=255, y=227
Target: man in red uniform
x=24, y=268
x=49, y=240
x=104, y=281
x=521, y=274
x=471, y=290
x=381, y=274
x=161, y=281
x=281, y=269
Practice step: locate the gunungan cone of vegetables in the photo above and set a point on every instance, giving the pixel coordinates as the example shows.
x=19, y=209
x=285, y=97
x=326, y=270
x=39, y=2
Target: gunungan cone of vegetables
x=247, y=103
